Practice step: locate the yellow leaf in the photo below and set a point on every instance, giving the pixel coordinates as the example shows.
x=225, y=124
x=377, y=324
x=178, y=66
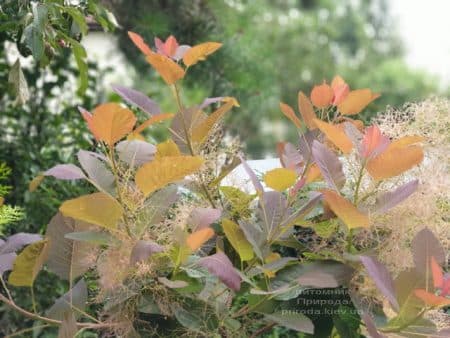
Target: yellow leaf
x=35, y=182
x=356, y=101
x=272, y=257
x=394, y=160
x=164, y=170
x=237, y=239
x=335, y=135
x=306, y=111
x=345, y=210
x=169, y=70
x=313, y=173
x=135, y=136
x=167, y=148
x=322, y=95
x=98, y=208
x=198, y=238
x=110, y=122
x=28, y=264
x=280, y=179
x=152, y=120
x=290, y=114
x=200, y=52
x=202, y=130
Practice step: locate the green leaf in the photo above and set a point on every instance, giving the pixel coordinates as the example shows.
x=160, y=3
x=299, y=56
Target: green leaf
x=78, y=18
x=347, y=322
x=80, y=58
x=237, y=239
x=28, y=264
x=34, y=39
x=19, y=83
x=187, y=319
x=148, y=305
x=292, y=320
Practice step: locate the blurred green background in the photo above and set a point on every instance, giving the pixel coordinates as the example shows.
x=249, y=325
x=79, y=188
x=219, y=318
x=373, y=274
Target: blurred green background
x=272, y=49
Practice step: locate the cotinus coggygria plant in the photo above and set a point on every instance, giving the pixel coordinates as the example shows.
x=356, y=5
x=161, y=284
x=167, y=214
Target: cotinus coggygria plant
x=164, y=248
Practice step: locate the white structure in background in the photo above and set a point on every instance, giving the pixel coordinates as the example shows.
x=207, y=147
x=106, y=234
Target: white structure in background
x=103, y=49
x=239, y=178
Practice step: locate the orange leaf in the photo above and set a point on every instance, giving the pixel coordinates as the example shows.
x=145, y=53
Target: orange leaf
x=167, y=148
x=394, y=161
x=152, y=120
x=356, y=101
x=313, y=173
x=306, y=111
x=290, y=114
x=198, y=238
x=169, y=70
x=322, y=95
x=200, y=52
x=340, y=90
x=335, y=135
x=110, y=122
x=345, y=210
x=139, y=42
x=438, y=275
x=431, y=299
x=407, y=140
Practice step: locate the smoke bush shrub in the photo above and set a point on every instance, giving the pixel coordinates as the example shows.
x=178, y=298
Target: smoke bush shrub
x=162, y=248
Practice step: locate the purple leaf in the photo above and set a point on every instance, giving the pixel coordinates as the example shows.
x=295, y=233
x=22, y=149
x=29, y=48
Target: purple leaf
x=304, y=210
x=290, y=158
x=203, y=217
x=370, y=326
x=329, y=165
x=210, y=100
x=17, y=241
x=138, y=99
x=77, y=296
x=142, y=250
x=184, y=122
x=392, y=198
x=220, y=265
x=318, y=279
x=256, y=183
x=256, y=237
x=305, y=144
x=6, y=262
x=65, y=172
x=84, y=111
x=136, y=152
x=272, y=210
x=292, y=320
x=424, y=246
x=68, y=258
x=179, y=53
x=96, y=169
x=382, y=278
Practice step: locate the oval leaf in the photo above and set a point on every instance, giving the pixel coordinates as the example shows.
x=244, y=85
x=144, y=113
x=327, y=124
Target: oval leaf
x=200, y=52
x=306, y=111
x=198, y=238
x=345, y=210
x=170, y=71
x=356, y=101
x=220, y=265
x=65, y=172
x=111, y=122
x=237, y=239
x=335, y=135
x=280, y=179
x=290, y=114
x=28, y=264
x=162, y=171
x=98, y=208
x=329, y=165
x=322, y=95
